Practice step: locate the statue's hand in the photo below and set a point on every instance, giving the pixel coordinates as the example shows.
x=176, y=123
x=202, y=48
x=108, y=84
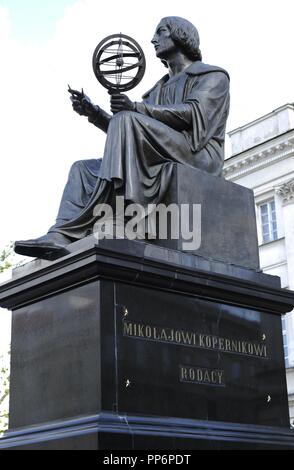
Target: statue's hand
x=82, y=104
x=121, y=103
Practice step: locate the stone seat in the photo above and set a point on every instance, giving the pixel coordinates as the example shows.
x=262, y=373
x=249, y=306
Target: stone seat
x=228, y=224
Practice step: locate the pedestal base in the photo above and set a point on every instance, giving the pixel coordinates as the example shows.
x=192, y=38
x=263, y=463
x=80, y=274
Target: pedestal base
x=114, y=432
x=123, y=345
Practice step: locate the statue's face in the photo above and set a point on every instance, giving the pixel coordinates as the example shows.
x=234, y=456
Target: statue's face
x=163, y=43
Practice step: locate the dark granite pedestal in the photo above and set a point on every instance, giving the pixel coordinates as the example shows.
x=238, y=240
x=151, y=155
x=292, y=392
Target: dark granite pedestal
x=126, y=345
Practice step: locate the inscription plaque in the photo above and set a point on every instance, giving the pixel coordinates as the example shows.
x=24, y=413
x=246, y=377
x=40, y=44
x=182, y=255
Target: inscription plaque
x=192, y=358
x=193, y=339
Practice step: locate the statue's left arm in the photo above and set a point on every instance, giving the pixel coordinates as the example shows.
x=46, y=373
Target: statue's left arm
x=179, y=116
x=203, y=111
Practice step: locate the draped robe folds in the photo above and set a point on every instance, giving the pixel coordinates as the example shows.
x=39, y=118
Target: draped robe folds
x=181, y=119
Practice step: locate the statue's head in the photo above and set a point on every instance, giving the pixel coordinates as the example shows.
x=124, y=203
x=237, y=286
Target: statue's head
x=183, y=34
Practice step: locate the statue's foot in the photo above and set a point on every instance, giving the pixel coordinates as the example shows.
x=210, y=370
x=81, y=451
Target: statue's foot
x=50, y=246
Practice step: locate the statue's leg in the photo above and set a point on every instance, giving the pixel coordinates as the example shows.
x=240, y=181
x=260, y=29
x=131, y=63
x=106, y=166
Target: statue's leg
x=139, y=153
x=78, y=190
x=81, y=182
x=137, y=165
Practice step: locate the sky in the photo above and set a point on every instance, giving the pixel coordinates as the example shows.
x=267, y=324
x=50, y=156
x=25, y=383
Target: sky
x=46, y=44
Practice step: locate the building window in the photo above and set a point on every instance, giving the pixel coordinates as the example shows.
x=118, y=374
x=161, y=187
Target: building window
x=285, y=341
x=268, y=221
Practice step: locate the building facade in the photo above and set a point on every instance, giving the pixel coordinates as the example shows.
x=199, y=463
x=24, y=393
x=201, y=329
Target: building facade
x=263, y=159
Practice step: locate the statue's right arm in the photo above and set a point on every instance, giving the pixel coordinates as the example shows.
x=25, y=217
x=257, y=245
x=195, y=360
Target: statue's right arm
x=82, y=105
x=100, y=119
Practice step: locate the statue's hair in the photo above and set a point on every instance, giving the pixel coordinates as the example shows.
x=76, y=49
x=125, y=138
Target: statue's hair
x=185, y=35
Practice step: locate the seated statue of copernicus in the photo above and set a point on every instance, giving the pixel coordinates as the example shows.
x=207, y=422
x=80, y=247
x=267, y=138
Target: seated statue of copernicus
x=181, y=119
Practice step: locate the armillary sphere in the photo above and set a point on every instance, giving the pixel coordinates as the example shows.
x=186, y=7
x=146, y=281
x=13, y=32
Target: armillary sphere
x=119, y=63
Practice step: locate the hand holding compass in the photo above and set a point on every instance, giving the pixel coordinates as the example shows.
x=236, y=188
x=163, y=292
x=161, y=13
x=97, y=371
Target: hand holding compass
x=82, y=104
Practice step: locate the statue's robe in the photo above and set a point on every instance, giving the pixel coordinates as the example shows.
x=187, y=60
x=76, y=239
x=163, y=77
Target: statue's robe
x=182, y=119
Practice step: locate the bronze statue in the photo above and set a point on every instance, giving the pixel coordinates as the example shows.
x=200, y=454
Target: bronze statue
x=181, y=119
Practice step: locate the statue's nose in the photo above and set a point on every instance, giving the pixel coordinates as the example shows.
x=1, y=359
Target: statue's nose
x=153, y=40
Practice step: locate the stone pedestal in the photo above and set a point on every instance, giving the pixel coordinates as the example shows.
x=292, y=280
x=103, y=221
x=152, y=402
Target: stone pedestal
x=127, y=345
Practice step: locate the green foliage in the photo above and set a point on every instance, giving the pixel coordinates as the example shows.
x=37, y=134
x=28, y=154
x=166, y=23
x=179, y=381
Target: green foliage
x=5, y=263
x=5, y=257
x=4, y=391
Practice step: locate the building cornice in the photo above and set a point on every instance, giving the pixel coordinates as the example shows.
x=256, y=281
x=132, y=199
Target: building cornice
x=261, y=118
x=261, y=156
x=265, y=268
